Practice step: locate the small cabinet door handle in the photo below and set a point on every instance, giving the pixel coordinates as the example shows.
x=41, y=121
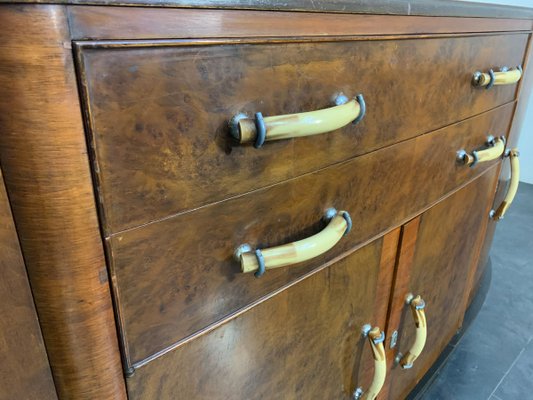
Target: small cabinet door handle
x=376, y=337
x=260, y=260
x=513, y=186
x=261, y=129
x=491, y=78
x=494, y=149
x=417, y=308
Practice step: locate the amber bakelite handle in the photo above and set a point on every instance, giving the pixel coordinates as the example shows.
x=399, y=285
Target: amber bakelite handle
x=376, y=338
x=494, y=150
x=419, y=316
x=513, y=186
x=261, y=129
x=491, y=78
x=260, y=260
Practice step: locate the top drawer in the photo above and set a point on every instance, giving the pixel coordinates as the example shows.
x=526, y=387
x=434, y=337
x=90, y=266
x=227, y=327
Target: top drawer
x=158, y=112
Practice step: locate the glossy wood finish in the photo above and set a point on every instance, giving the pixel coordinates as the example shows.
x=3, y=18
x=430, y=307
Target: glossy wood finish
x=440, y=270
x=399, y=288
x=46, y=171
x=134, y=23
x=303, y=342
x=524, y=92
x=413, y=7
x=525, y=89
x=24, y=369
x=390, y=249
x=156, y=155
x=172, y=282
x=498, y=194
x=169, y=80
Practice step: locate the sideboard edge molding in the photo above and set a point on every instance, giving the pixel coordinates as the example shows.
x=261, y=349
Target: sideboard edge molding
x=99, y=22
x=43, y=152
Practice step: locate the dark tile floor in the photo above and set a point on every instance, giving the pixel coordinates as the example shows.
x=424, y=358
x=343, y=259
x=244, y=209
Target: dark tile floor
x=494, y=358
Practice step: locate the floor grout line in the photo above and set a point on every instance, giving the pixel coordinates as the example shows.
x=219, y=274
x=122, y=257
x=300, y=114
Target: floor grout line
x=509, y=370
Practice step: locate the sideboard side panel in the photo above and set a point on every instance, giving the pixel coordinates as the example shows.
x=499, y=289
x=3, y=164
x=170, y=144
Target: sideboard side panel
x=23, y=374
x=46, y=170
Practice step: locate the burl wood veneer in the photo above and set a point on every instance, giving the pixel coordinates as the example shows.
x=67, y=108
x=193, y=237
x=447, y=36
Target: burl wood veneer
x=172, y=281
x=128, y=196
x=524, y=93
x=439, y=271
x=305, y=342
x=168, y=150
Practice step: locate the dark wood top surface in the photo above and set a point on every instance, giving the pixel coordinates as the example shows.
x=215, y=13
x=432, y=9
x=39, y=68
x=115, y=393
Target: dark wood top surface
x=449, y=8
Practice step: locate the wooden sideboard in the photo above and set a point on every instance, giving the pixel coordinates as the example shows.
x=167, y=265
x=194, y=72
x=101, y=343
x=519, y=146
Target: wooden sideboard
x=249, y=200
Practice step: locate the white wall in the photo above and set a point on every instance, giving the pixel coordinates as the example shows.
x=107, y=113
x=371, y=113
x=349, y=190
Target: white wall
x=525, y=144
x=522, y=3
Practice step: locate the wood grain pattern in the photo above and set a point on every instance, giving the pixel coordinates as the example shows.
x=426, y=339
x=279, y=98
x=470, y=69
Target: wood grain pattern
x=474, y=271
x=132, y=23
x=303, y=343
x=490, y=229
x=389, y=254
x=412, y=7
x=439, y=273
x=390, y=248
x=400, y=287
x=24, y=369
x=172, y=282
x=46, y=171
x=524, y=92
x=162, y=142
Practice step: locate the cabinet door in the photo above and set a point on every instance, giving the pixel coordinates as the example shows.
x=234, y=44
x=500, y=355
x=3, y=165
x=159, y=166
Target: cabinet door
x=500, y=192
x=438, y=253
x=302, y=343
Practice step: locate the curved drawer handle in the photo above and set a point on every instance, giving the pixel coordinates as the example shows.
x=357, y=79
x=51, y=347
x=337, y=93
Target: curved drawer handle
x=504, y=77
x=260, y=260
x=513, y=186
x=495, y=149
x=263, y=129
x=417, y=308
x=376, y=338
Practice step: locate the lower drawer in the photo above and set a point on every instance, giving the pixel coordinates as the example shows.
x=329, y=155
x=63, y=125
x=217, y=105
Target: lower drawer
x=304, y=343
x=177, y=277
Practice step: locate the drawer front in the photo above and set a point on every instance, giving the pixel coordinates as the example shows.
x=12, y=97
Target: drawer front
x=176, y=277
x=305, y=343
x=158, y=112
